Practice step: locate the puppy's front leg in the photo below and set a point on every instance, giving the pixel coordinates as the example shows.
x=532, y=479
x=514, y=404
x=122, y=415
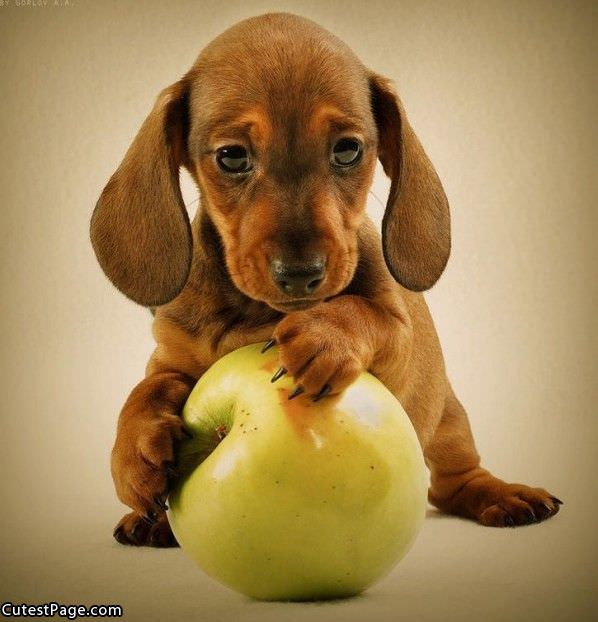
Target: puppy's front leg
x=459, y=485
x=143, y=456
x=326, y=347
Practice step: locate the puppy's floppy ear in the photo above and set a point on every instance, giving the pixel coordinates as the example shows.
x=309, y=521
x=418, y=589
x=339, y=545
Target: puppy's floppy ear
x=140, y=230
x=416, y=225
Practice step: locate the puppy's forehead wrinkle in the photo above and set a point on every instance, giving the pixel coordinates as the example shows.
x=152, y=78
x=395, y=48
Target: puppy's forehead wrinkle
x=225, y=99
x=280, y=62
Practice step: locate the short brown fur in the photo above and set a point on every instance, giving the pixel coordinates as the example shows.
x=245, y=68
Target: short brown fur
x=288, y=90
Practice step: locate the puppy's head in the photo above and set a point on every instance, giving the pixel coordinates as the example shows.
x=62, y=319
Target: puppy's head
x=281, y=126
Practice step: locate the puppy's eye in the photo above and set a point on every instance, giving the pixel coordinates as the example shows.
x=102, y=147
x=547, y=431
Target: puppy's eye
x=346, y=152
x=233, y=159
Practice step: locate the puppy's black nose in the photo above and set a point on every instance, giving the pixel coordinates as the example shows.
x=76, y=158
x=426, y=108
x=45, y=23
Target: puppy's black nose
x=298, y=279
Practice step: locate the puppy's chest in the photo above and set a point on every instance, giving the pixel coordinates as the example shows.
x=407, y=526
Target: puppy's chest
x=196, y=335
x=233, y=328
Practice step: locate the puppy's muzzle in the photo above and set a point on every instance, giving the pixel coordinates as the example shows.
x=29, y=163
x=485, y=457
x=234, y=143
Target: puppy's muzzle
x=298, y=279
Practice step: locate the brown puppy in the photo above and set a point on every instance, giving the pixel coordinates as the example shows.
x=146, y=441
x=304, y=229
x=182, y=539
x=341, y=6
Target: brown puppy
x=280, y=126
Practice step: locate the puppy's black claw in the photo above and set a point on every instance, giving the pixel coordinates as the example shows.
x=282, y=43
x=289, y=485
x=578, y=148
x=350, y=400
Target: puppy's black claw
x=298, y=390
x=135, y=530
x=556, y=500
x=324, y=391
x=119, y=535
x=150, y=518
x=509, y=522
x=160, y=503
x=268, y=345
x=279, y=374
x=171, y=470
x=531, y=517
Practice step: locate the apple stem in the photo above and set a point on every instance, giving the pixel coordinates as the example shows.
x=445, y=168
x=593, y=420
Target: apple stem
x=221, y=432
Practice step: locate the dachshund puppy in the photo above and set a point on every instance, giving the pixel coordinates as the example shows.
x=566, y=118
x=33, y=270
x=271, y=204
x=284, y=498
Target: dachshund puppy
x=280, y=126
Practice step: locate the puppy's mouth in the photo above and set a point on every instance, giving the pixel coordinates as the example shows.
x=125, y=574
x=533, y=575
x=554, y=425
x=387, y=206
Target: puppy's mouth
x=298, y=304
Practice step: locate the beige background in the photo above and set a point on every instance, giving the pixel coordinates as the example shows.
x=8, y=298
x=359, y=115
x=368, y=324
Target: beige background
x=503, y=96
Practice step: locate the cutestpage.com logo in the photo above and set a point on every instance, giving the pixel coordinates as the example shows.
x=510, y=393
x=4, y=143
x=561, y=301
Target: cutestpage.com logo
x=50, y=610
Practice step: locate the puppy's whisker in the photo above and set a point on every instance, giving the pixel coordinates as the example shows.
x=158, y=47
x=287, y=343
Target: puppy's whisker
x=196, y=200
x=377, y=198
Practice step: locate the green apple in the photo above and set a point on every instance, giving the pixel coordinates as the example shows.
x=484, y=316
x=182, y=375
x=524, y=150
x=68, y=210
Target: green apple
x=290, y=499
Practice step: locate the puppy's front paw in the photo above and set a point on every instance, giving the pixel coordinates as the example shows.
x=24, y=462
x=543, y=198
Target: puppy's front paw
x=495, y=503
x=517, y=504
x=317, y=353
x=143, y=461
x=136, y=530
